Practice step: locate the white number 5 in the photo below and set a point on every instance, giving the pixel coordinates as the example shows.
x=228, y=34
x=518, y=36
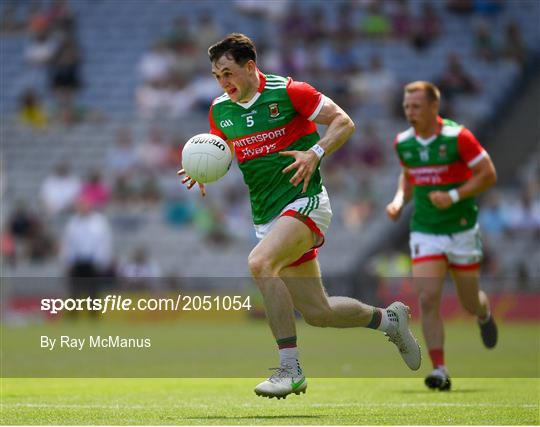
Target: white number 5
x=249, y=120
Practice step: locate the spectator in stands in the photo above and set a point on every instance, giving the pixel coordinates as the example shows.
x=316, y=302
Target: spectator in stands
x=485, y=48
x=124, y=190
x=455, y=80
x=60, y=190
x=149, y=188
x=341, y=57
x=29, y=235
x=42, y=45
x=524, y=216
x=122, y=157
x=513, y=45
x=426, y=28
x=86, y=250
x=491, y=217
x=9, y=21
x=317, y=29
x=31, y=111
x=375, y=24
x=59, y=13
x=65, y=64
x=402, y=20
x=208, y=31
x=140, y=271
x=153, y=99
x=345, y=30
x=154, y=152
x=22, y=223
x=95, y=192
x=179, y=32
x=375, y=87
x=460, y=6
x=359, y=203
x=155, y=65
x=295, y=23
x=370, y=151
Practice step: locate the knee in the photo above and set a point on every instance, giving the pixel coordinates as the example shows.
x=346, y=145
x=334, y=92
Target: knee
x=261, y=266
x=318, y=318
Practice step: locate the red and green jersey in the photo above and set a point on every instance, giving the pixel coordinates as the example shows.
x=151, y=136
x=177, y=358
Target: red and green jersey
x=279, y=117
x=441, y=162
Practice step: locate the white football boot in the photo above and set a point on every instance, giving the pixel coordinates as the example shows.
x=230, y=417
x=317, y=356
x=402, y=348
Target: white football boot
x=284, y=381
x=400, y=334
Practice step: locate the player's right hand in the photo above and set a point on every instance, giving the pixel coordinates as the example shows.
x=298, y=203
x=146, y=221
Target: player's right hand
x=192, y=182
x=393, y=210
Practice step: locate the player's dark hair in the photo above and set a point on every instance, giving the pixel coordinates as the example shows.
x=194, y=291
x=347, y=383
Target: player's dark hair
x=432, y=92
x=236, y=46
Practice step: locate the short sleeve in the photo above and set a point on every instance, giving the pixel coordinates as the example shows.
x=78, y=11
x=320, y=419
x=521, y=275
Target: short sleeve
x=469, y=148
x=214, y=130
x=305, y=99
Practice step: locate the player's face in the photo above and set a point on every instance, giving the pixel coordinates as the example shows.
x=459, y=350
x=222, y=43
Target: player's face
x=235, y=79
x=419, y=110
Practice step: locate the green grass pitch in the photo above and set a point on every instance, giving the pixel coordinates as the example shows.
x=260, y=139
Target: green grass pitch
x=328, y=401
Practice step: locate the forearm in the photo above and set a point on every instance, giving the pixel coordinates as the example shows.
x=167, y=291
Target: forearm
x=476, y=185
x=337, y=133
x=404, y=190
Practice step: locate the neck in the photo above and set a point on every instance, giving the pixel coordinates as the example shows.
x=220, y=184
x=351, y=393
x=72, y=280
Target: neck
x=428, y=130
x=254, y=86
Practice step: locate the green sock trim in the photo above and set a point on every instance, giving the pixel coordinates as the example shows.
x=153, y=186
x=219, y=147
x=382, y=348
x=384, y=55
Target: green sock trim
x=376, y=318
x=288, y=340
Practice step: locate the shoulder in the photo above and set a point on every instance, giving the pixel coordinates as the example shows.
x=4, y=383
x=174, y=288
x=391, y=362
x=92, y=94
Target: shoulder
x=451, y=128
x=220, y=99
x=405, y=135
x=276, y=82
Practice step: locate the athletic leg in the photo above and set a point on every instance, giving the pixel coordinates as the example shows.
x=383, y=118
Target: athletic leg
x=428, y=279
x=285, y=243
x=476, y=302
x=310, y=298
x=464, y=257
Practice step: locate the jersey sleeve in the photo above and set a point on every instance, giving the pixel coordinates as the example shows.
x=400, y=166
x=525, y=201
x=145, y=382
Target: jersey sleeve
x=469, y=148
x=214, y=130
x=305, y=99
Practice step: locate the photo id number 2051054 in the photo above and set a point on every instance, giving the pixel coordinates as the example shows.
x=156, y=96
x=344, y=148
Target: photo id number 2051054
x=218, y=302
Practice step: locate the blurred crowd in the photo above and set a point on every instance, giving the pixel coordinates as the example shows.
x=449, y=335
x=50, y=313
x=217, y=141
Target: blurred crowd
x=137, y=173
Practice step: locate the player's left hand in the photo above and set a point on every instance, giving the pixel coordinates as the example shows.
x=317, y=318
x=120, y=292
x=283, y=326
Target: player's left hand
x=441, y=199
x=305, y=162
x=192, y=182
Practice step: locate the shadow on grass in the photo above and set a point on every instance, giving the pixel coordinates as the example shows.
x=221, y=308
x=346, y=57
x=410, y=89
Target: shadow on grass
x=453, y=391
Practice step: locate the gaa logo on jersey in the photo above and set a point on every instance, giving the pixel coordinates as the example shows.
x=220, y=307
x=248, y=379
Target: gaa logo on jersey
x=274, y=109
x=226, y=123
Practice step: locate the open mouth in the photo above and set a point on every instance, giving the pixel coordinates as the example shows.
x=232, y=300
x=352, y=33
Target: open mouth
x=232, y=91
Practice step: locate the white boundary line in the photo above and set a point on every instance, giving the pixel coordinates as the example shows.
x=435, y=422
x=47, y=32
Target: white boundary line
x=246, y=405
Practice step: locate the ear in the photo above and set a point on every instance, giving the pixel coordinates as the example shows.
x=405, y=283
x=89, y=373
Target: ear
x=251, y=66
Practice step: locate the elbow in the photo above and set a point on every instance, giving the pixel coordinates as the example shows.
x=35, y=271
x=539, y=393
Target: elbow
x=492, y=177
x=349, y=125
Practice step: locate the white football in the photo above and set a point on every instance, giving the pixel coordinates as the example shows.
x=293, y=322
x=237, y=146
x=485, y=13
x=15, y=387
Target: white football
x=206, y=158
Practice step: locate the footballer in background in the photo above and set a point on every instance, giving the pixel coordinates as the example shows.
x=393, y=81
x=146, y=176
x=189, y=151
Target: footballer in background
x=444, y=168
